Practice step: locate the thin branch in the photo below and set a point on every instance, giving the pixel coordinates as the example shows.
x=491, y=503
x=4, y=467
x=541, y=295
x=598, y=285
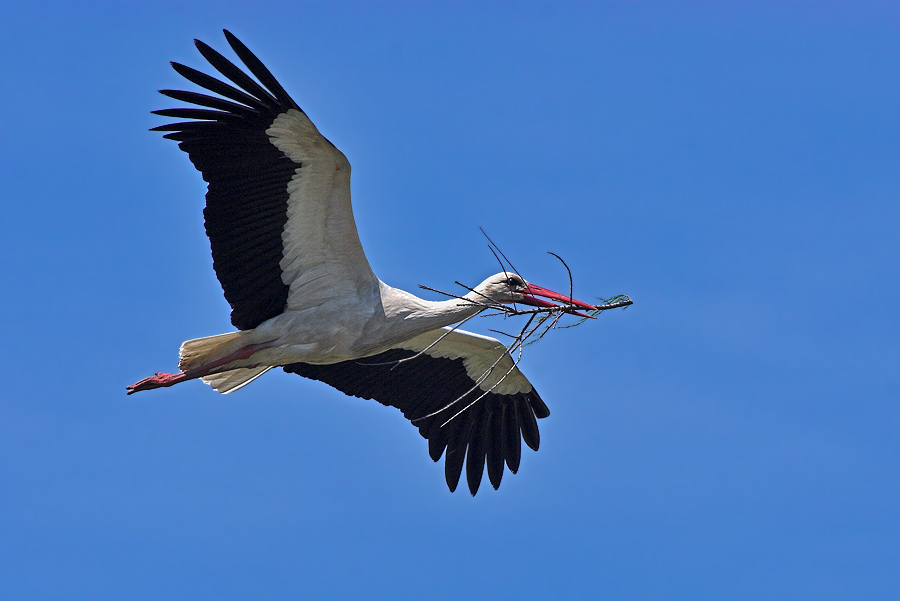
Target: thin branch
x=487, y=298
x=571, y=286
x=501, y=333
x=502, y=266
x=494, y=244
x=451, y=295
x=569, y=308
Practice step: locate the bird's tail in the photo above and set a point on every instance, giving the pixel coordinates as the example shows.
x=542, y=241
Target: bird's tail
x=194, y=353
x=235, y=379
x=202, y=351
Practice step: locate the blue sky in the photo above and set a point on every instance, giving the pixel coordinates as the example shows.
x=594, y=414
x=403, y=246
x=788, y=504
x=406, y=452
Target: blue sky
x=735, y=168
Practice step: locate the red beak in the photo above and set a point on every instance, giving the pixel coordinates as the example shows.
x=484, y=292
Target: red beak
x=533, y=291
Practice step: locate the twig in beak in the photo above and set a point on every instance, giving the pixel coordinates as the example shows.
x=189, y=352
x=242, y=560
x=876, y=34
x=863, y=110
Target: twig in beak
x=569, y=271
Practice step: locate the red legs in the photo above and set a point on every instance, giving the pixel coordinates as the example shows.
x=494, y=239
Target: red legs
x=163, y=380
x=159, y=380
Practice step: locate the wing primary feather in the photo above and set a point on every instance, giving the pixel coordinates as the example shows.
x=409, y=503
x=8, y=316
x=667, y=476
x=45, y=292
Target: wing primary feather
x=529, y=426
x=190, y=113
x=212, y=84
x=436, y=448
x=234, y=73
x=537, y=404
x=183, y=126
x=511, y=441
x=493, y=446
x=475, y=456
x=209, y=101
x=259, y=70
x=437, y=440
x=456, y=455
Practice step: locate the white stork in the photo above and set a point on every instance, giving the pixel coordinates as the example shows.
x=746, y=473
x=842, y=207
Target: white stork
x=287, y=254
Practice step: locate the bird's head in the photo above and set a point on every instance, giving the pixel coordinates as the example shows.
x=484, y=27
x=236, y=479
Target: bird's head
x=511, y=288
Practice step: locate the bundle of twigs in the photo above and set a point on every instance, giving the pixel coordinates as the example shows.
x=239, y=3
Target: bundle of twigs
x=540, y=321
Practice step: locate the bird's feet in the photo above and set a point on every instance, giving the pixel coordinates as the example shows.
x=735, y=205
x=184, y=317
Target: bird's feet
x=160, y=380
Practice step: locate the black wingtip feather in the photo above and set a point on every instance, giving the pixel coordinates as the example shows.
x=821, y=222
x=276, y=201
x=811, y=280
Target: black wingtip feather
x=436, y=447
x=210, y=101
x=530, y=433
x=537, y=405
x=234, y=73
x=208, y=82
x=453, y=465
x=494, y=447
x=511, y=442
x=201, y=114
x=456, y=452
x=475, y=456
x=258, y=69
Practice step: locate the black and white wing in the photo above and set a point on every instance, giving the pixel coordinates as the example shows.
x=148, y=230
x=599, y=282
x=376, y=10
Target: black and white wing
x=431, y=381
x=278, y=212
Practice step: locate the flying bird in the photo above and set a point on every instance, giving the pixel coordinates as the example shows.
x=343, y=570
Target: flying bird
x=303, y=297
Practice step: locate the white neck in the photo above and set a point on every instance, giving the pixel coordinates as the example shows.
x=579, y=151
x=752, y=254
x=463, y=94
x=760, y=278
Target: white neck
x=408, y=315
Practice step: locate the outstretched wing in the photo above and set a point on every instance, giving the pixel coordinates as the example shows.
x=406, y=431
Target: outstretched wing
x=432, y=380
x=278, y=211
